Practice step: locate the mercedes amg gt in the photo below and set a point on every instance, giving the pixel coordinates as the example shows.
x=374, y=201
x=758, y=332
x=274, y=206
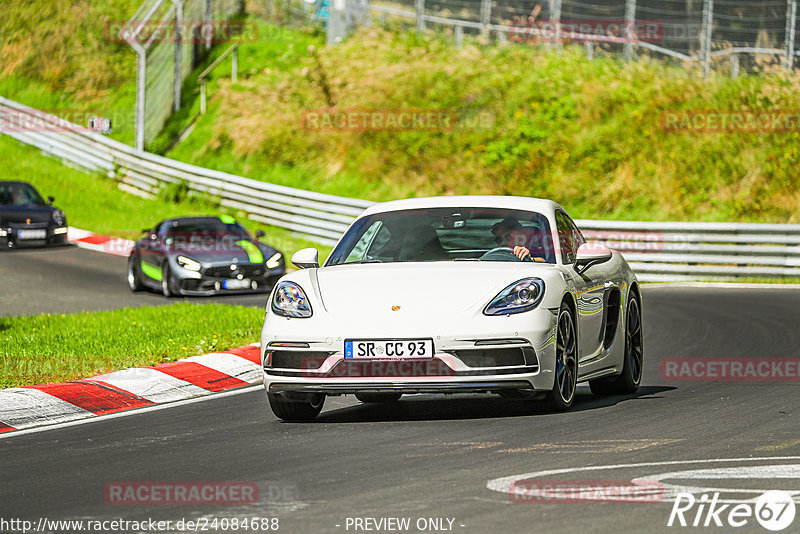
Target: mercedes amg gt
x=203, y=256
x=453, y=295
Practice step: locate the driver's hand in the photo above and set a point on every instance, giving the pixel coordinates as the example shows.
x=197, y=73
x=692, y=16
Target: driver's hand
x=522, y=252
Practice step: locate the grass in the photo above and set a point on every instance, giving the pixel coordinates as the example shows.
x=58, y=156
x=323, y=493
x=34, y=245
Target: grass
x=56, y=348
x=93, y=202
x=530, y=122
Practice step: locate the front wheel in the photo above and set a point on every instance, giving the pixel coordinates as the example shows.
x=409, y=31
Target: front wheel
x=134, y=277
x=627, y=382
x=167, y=286
x=566, y=381
x=378, y=397
x=290, y=410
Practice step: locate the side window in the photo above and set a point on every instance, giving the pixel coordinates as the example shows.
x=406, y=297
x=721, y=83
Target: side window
x=569, y=237
x=364, y=243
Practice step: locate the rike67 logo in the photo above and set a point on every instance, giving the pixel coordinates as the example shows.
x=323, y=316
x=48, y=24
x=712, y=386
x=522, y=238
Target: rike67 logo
x=774, y=510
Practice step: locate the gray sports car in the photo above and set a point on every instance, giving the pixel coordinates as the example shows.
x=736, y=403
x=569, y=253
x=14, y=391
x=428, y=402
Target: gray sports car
x=203, y=256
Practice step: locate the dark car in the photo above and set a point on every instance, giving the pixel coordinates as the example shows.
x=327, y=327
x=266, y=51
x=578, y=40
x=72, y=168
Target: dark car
x=203, y=256
x=27, y=220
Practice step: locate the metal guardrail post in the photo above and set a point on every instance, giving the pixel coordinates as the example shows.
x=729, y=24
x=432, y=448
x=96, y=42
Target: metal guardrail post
x=555, y=19
x=235, y=65
x=459, y=37
x=486, y=17
x=791, y=22
x=708, y=22
x=589, y=46
x=419, y=14
x=734, y=66
x=629, y=34
x=176, y=83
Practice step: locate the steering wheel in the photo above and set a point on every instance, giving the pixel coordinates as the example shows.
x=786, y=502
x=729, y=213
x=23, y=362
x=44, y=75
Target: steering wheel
x=500, y=254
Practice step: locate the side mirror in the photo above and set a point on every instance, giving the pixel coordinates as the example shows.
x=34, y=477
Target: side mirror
x=50, y=200
x=306, y=258
x=591, y=254
x=260, y=234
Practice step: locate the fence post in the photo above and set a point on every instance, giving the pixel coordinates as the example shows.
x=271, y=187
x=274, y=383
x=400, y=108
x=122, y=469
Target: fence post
x=336, y=22
x=629, y=35
x=734, y=66
x=459, y=37
x=589, y=46
x=419, y=13
x=141, y=83
x=708, y=20
x=176, y=83
x=486, y=17
x=791, y=20
x=208, y=17
x=555, y=19
x=235, y=65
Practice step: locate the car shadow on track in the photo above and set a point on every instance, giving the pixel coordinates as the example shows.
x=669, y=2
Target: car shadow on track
x=430, y=407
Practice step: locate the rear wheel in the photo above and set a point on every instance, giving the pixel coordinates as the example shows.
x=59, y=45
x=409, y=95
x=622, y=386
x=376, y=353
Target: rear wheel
x=561, y=396
x=378, y=397
x=292, y=410
x=134, y=275
x=627, y=382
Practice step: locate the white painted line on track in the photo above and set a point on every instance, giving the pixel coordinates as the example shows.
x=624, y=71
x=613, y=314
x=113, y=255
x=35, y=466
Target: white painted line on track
x=99, y=418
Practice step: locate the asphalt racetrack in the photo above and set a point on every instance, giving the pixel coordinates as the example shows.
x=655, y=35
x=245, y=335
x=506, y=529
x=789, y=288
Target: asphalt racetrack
x=433, y=461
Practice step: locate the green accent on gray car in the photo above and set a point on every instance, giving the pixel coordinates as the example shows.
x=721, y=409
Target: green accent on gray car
x=151, y=271
x=227, y=219
x=252, y=251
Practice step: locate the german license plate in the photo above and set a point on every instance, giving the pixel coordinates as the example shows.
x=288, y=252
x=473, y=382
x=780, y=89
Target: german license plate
x=236, y=284
x=32, y=234
x=394, y=348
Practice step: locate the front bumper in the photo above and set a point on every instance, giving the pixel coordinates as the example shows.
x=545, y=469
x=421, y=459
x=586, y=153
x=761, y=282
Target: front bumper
x=491, y=354
x=10, y=236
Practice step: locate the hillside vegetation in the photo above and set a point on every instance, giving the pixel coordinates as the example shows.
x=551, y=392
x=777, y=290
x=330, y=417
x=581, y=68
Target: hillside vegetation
x=530, y=122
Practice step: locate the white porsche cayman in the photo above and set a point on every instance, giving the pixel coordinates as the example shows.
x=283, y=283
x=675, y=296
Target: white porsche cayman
x=453, y=295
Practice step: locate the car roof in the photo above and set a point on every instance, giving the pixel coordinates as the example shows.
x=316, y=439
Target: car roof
x=539, y=205
x=17, y=182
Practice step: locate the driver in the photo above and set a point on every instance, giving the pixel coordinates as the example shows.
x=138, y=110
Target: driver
x=509, y=233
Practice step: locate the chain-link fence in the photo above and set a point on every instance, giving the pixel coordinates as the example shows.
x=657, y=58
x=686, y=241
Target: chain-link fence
x=170, y=37
x=705, y=32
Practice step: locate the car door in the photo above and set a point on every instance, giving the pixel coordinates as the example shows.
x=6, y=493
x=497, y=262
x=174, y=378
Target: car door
x=589, y=290
x=150, y=252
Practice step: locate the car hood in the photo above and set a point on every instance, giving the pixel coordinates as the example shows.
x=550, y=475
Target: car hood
x=222, y=251
x=437, y=288
x=20, y=214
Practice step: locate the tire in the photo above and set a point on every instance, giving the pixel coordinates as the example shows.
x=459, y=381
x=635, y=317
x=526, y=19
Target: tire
x=134, y=276
x=627, y=382
x=288, y=410
x=378, y=397
x=566, y=380
x=167, y=287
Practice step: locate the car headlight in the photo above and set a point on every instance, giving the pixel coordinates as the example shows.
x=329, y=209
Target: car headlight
x=59, y=218
x=517, y=298
x=188, y=263
x=289, y=300
x=274, y=261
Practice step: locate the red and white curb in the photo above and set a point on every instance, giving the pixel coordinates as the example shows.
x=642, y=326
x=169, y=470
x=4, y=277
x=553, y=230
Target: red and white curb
x=98, y=242
x=47, y=404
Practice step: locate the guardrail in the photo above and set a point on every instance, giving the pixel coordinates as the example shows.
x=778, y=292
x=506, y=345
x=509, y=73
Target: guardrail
x=319, y=216
x=657, y=251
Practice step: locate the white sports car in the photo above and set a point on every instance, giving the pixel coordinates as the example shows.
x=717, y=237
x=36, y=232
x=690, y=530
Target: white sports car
x=453, y=294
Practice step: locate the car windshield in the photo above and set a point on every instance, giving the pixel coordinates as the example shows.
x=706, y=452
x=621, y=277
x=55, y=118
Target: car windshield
x=19, y=195
x=445, y=234
x=205, y=228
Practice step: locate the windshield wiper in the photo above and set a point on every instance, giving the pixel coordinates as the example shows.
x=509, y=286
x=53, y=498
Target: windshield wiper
x=371, y=260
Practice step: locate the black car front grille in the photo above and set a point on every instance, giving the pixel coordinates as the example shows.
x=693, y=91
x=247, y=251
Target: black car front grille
x=501, y=357
x=297, y=359
x=225, y=271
